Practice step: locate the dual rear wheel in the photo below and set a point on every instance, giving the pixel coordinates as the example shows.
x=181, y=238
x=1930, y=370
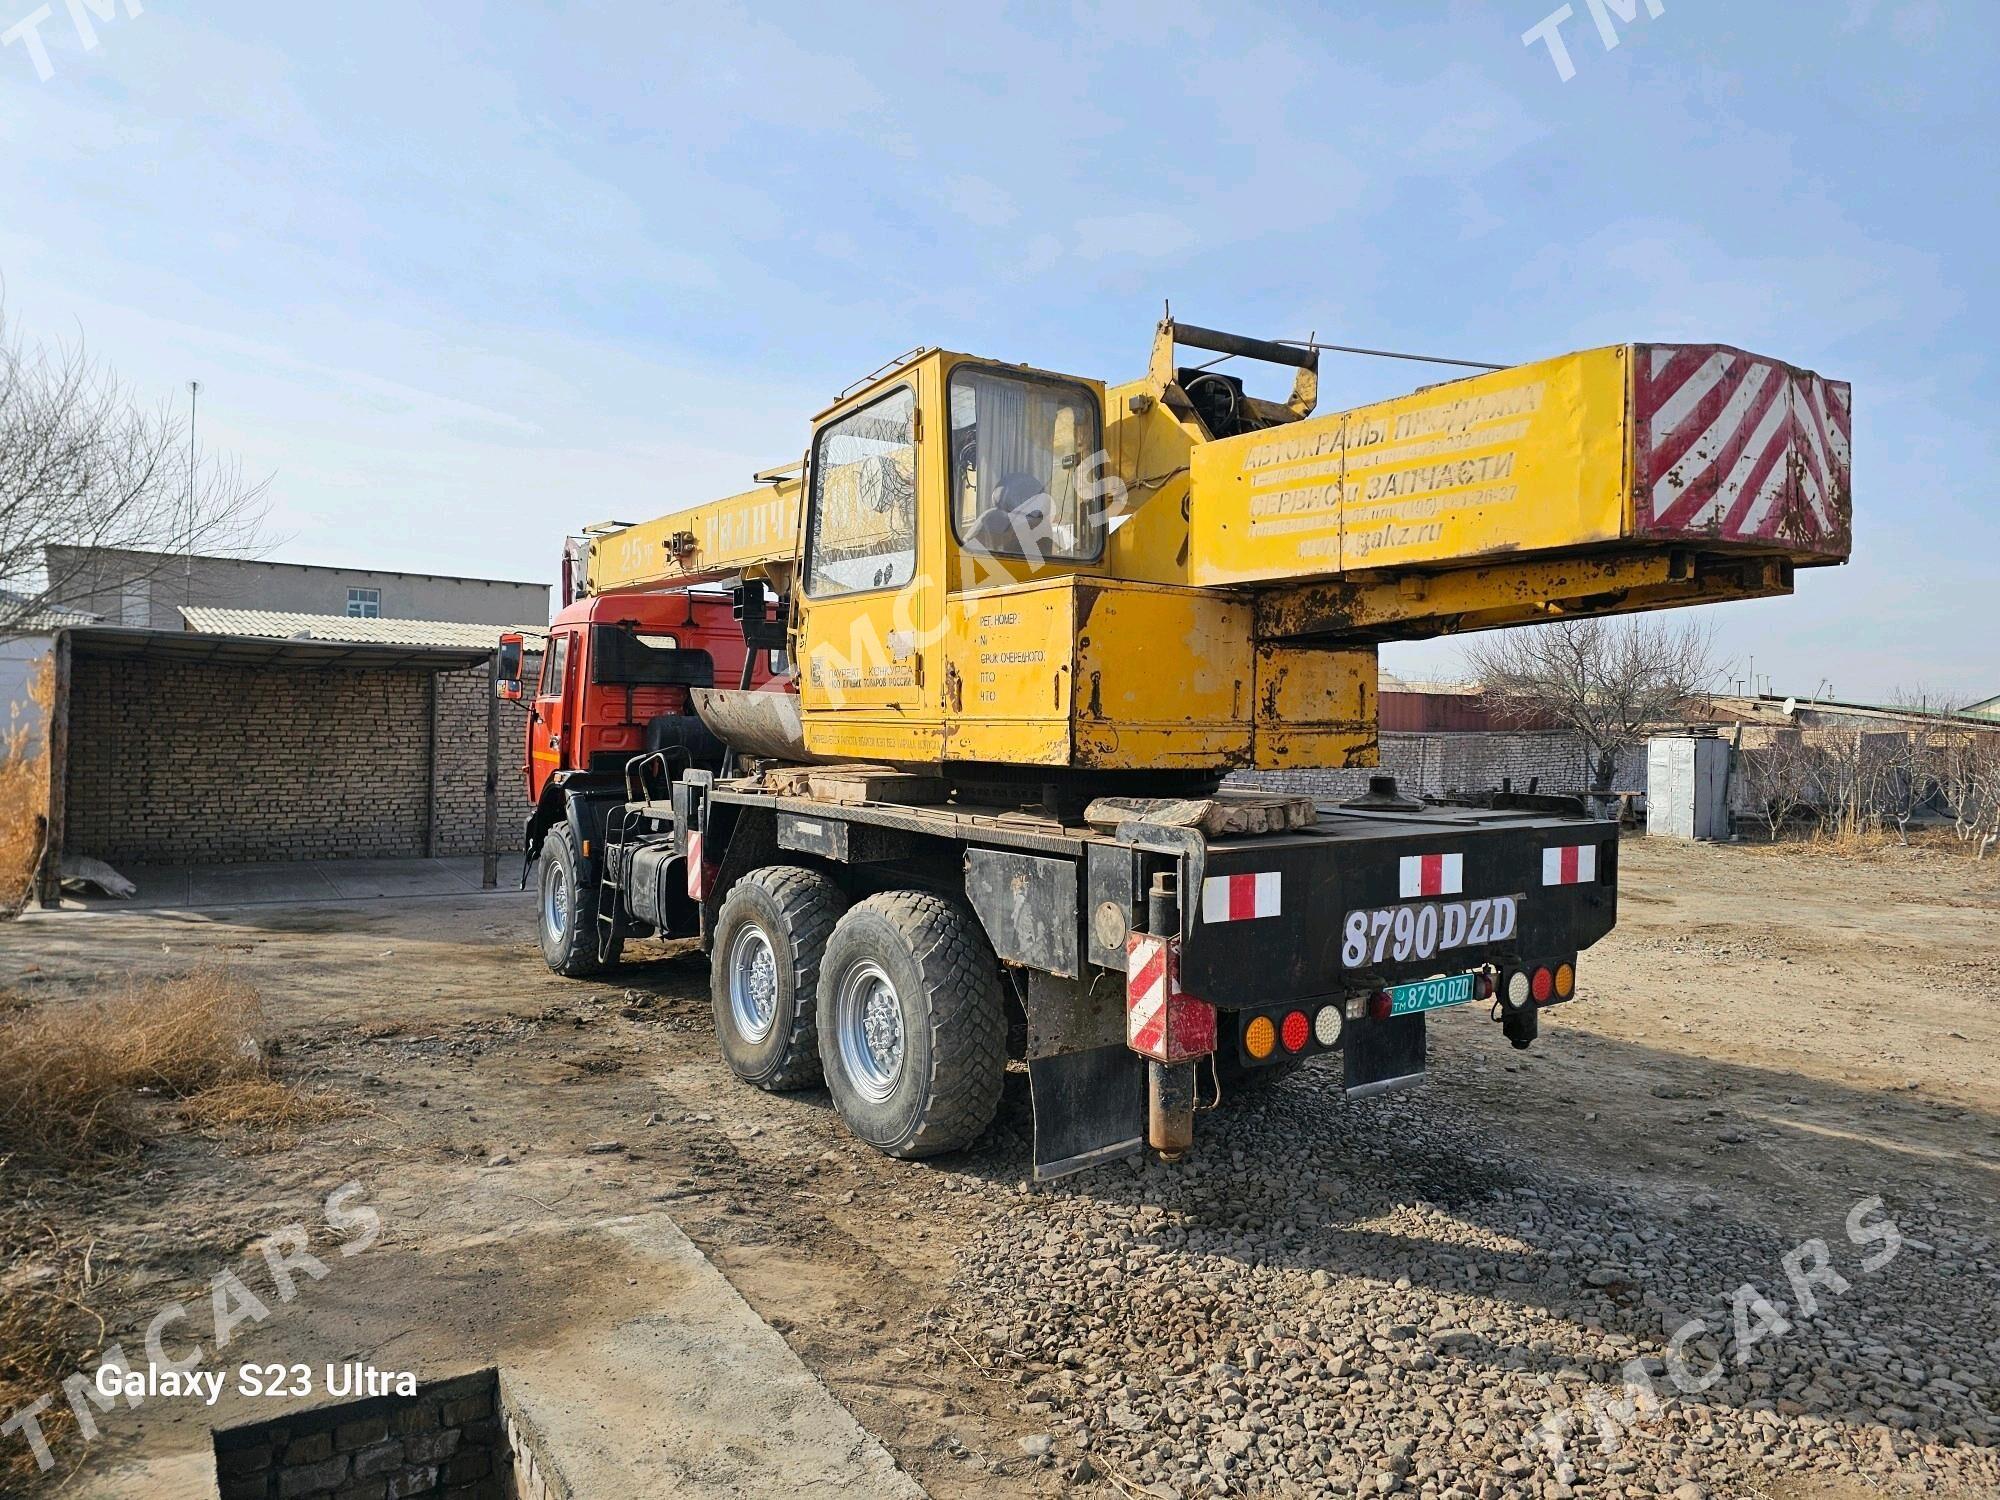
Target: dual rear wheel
x=895, y=1001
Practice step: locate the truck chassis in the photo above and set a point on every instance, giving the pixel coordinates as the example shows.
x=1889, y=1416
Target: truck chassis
x=906, y=953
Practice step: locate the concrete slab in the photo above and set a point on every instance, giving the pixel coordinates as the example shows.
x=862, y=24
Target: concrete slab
x=360, y=879
x=296, y=882
x=701, y=1399
x=238, y=885
x=652, y=1377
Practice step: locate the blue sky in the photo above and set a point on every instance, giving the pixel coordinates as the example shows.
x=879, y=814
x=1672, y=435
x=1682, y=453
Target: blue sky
x=466, y=276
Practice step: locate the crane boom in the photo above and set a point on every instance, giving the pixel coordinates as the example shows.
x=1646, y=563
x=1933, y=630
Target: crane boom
x=1637, y=447
x=996, y=554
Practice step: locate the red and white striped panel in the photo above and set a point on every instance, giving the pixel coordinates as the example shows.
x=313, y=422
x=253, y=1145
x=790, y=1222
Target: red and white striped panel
x=1149, y=975
x=1241, y=898
x=1432, y=874
x=1732, y=447
x=697, y=871
x=1160, y=1021
x=1575, y=864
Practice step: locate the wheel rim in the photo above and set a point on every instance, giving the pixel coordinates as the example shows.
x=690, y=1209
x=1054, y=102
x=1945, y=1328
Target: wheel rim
x=753, y=983
x=555, y=903
x=869, y=1019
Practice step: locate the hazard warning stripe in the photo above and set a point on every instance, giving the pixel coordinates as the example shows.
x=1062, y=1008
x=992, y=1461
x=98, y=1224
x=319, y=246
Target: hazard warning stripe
x=1146, y=993
x=1575, y=864
x=1241, y=898
x=1432, y=874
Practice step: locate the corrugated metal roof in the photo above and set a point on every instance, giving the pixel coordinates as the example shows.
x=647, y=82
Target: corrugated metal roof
x=282, y=625
x=119, y=641
x=25, y=615
x=1985, y=708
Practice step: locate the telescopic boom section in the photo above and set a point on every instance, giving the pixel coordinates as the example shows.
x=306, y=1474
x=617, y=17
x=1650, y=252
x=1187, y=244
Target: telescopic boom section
x=752, y=534
x=1634, y=476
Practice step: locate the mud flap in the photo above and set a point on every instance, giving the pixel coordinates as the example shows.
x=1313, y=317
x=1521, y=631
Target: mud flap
x=1090, y=1108
x=1383, y=1056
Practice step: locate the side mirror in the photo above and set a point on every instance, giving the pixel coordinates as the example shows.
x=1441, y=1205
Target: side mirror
x=510, y=668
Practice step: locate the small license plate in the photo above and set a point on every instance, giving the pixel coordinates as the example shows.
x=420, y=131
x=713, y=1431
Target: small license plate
x=1429, y=994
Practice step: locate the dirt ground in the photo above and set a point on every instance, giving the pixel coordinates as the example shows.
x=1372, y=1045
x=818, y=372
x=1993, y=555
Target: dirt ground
x=1784, y=1030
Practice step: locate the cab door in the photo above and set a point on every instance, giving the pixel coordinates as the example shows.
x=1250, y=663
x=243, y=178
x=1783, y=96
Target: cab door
x=870, y=601
x=549, y=729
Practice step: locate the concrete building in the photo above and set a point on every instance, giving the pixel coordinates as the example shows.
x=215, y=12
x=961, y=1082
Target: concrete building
x=148, y=590
x=243, y=736
x=183, y=748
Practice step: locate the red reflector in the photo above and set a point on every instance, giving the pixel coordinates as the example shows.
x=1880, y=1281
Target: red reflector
x=1297, y=1030
x=1379, y=1005
x=1544, y=984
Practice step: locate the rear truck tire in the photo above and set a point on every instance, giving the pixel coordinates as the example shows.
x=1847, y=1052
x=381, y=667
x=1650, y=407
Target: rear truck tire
x=913, y=1026
x=566, y=911
x=764, y=973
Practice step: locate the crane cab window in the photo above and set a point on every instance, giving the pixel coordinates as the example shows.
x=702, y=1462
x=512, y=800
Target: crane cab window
x=864, y=499
x=1023, y=452
x=555, y=667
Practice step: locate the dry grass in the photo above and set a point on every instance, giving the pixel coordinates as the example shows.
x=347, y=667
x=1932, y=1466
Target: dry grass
x=265, y=1111
x=71, y=1076
x=47, y=1326
x=24, y=790
x=1864, y=845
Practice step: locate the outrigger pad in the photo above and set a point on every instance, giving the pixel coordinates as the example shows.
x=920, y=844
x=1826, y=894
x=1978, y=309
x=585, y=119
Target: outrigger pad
x=1090, y=1108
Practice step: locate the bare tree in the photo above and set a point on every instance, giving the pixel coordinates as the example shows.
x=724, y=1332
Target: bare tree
x=1969, y=783
x=1927, y=734
x=1603, y=681
x=82, y=466
x=1782, y=778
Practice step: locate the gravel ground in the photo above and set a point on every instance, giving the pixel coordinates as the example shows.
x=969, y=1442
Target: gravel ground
x=1360, y=1325
x=1327, y=1292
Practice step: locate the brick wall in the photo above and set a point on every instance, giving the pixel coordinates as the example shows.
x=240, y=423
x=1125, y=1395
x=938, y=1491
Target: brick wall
x=444, y=1443
x=459, y=777
x=1436, y=764
x=175, y=762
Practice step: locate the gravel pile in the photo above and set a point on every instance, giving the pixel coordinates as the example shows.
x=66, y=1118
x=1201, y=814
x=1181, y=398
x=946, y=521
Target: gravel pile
x=1340, y=1297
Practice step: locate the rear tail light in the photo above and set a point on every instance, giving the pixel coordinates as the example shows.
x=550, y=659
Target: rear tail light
x=1482, y=985
x=1517, y=988
x=1380, y=1004
x=1326, y=1025
x=1544, y=985
x=1259, y=1037
x=1297, y=1031
x=1565, y=982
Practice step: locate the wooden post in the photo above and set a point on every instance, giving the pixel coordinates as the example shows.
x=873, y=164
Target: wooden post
x=50, y=882
x=489, y=876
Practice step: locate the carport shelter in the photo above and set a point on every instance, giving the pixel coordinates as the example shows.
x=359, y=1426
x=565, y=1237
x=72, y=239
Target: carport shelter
x=177, y=748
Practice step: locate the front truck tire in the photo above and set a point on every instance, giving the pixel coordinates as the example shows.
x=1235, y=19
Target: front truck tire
x=567, y=910
x=912, y=1024
x=764, y=973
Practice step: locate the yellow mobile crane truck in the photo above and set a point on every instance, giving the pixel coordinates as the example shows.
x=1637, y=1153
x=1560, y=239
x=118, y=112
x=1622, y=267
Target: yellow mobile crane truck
x=1004, y=633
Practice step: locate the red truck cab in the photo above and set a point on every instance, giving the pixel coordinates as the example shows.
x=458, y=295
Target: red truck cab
x=618, y=676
